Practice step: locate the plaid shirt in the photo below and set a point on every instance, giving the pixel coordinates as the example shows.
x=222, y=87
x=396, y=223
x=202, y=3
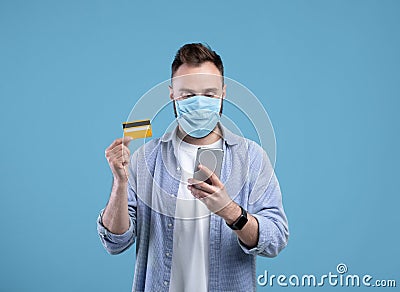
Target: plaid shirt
x=154, y=176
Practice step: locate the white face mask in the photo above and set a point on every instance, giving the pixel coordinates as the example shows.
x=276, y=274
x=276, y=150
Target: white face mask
x=198, y=115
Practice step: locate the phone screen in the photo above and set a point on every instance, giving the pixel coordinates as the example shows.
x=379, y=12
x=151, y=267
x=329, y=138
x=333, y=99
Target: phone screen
x=210, y=158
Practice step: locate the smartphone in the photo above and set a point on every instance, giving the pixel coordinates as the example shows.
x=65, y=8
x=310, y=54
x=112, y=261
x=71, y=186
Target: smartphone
x=210, y=158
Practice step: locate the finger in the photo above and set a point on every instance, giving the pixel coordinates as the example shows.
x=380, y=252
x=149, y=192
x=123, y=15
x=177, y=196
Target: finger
x=125, y=149
x=194, y=181
x=120, y=157
x=116, y=164
x=199, y=194
x=121, y=148
x=198, y=184
x=213, y=177
x=126, y=140
x=114, y=143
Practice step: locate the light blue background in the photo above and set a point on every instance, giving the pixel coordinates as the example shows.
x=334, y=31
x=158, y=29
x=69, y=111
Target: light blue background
x=70, y=71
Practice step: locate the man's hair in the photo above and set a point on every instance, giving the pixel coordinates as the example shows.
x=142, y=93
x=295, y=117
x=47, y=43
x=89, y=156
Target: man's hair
x=195, y=54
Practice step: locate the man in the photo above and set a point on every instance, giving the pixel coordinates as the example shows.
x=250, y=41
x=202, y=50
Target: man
x=193, y=235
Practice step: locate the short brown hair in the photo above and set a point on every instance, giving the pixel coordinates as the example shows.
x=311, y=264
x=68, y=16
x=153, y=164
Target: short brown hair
x=195, y=54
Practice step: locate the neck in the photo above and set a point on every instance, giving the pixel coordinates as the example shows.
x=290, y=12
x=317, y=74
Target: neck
x=214, y=136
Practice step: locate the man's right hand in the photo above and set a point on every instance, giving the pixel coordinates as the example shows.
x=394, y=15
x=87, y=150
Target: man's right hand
x=117, y=155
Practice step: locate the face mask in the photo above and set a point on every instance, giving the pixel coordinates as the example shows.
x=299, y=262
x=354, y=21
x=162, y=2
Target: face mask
x=198, y=115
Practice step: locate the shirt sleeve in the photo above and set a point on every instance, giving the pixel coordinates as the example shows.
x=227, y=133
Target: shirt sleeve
x=117, y=243
x=265, y=204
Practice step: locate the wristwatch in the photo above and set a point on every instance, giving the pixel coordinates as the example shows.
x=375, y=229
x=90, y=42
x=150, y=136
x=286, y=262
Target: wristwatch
x=240, y=222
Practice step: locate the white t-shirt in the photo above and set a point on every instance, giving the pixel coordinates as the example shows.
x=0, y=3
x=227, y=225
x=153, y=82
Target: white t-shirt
x=189, y=270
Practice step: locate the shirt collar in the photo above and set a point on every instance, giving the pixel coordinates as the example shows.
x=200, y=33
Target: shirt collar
x=229, y=137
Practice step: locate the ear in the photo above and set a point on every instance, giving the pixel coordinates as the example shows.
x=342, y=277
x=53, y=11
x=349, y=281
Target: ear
x=224, y=91
x=171, y=92
x=171, y=96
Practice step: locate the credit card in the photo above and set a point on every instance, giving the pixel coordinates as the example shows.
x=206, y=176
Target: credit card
x=137, y=129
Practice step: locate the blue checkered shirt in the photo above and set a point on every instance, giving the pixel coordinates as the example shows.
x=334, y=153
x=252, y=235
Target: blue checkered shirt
x=154, y=177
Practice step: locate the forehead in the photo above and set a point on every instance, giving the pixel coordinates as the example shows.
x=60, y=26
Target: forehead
x=197, y=78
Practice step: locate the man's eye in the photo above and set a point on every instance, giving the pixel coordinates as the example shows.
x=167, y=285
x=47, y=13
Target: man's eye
x=188, y=95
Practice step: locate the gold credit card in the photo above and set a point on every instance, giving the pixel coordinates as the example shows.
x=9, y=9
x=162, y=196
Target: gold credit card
x=137, y=129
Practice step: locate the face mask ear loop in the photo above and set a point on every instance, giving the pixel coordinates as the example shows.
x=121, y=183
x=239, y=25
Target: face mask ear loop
x=178, y=114
x=220, y=105
x=174, y=101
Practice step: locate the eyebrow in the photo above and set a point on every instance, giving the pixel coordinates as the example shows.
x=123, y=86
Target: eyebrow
x=213, y=89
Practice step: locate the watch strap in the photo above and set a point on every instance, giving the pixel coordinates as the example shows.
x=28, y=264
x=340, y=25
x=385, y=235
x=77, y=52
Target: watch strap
x=240, y=222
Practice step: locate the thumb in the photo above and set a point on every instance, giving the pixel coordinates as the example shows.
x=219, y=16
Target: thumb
x=210, y=174
x=126, y=140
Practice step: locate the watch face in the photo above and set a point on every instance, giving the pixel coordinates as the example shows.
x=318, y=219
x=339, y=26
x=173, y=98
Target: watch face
x=242, y=220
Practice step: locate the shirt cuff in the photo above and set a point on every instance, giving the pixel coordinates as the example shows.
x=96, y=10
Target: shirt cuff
x=112, y=237
x=262, y=237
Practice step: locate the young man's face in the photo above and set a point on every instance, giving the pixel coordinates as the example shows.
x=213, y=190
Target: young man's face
x=200, y=80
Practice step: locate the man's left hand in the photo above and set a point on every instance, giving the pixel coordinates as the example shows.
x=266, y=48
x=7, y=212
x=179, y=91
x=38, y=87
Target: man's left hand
x=214, y=196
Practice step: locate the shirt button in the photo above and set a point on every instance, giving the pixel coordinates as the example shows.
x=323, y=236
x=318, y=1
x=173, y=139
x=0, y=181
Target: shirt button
x=169, y=225
x=178, y=168
x=167, y=254
x=165, y=283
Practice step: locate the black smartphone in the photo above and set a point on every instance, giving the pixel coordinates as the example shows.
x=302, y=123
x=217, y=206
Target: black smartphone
x=210, y=158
